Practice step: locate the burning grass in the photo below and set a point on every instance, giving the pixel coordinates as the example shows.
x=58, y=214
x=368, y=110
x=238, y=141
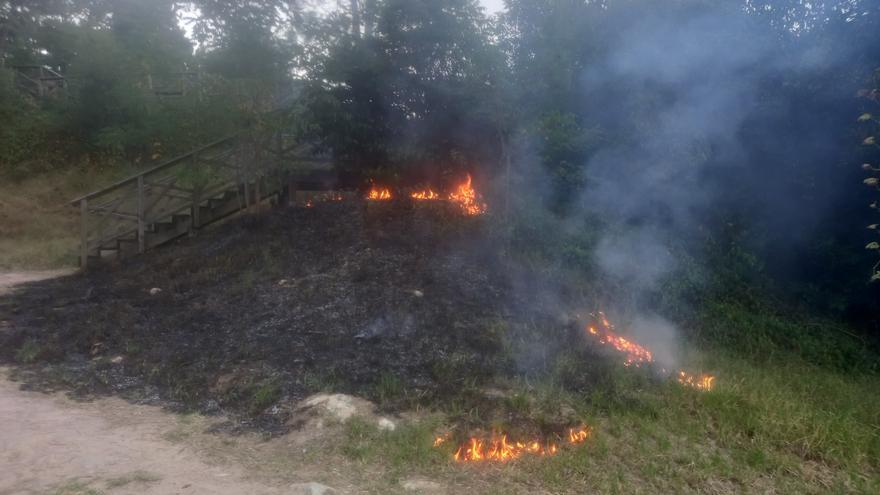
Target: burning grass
x=637, y=355
x=462, y=195
x=345, y=300
x=499, y=448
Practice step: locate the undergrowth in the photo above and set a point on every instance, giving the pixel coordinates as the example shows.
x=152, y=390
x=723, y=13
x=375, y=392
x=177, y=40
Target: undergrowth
x=39, y=229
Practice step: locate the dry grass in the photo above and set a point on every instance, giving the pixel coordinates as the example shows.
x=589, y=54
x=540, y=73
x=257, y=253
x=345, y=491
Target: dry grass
x=39, y=229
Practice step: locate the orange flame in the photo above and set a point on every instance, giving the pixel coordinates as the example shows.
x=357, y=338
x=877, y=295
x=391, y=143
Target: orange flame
x=500, y=449
x=379, y=194
x=636, y=354
x=425, y=195
x=699, y=382
x=466, y=197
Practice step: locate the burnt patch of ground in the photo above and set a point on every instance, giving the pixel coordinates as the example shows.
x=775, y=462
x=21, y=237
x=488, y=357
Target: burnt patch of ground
x=403, y=305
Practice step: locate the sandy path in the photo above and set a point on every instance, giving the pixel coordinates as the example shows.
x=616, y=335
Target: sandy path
x=51, y=444
x=8, y=280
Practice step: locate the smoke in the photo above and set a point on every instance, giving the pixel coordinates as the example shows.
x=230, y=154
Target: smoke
x=702, y=73
x=678, y=89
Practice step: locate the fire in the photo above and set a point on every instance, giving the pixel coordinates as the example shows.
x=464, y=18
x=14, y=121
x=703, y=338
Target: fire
x=466, y=197
x=424, y=195
x=379, y=194
x=499, y=449
x=699, y=382
x=636, y=354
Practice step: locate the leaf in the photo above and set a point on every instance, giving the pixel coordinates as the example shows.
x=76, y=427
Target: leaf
x=870, y=140
x=865, y=117
x=873, y=246
x=871, y=181
x=873, y=226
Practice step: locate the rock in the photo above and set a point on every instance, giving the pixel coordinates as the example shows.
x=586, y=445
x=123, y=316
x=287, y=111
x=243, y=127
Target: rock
x=321, y=410
x=417, y=485
x=386, y=424
x=155, y=291
x=311, y=489
x=340, y=406
x=495, y=393
x=317, y=410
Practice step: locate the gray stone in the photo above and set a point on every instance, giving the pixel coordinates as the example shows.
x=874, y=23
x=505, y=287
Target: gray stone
x=423, y=486
x=311, y=488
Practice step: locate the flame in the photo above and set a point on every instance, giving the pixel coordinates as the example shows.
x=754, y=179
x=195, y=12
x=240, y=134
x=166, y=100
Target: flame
x=636, y=354
x=379, y=194
x=466, y=197
x=499, y=449
x=425, y=195
x=699, y=382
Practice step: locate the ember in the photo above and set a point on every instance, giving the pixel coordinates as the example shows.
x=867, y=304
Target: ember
x=499, y=449
x=637, y=354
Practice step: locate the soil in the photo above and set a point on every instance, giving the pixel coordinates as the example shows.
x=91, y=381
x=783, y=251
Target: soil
x=51, y=444
x=9, y=281
x=404, y=305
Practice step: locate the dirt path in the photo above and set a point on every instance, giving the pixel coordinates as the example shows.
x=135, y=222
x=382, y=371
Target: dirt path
x=8, y=280
x=51, y=444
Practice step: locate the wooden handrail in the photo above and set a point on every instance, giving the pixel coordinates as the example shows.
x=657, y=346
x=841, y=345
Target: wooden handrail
x=134, y=178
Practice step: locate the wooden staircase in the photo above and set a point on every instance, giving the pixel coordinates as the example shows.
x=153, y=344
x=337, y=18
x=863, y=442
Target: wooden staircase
x=193, y=190
x=40, y=81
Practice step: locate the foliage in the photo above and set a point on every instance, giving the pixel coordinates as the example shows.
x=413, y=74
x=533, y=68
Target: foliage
x=420, y=90
x=871, y=124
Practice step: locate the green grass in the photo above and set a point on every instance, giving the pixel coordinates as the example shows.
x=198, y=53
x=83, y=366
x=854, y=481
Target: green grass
x=38, y=228
x=142, y=477
x=76, y=488
x=785, y=426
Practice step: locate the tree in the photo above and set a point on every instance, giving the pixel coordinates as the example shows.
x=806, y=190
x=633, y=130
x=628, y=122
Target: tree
x=422, y=91
x=871, y=122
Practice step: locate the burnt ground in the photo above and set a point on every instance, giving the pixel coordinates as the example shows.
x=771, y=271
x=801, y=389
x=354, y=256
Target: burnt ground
x=407, y=306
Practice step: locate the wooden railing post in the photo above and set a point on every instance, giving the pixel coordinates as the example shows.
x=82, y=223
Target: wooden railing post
x=140, y=214
x=84, y=233
x=196, y=221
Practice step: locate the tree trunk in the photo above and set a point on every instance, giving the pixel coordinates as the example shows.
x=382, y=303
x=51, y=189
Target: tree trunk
x=369, y=17
x=355, y=19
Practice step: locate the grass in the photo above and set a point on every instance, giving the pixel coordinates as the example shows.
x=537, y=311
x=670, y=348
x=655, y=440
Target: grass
x=76, y=487
x=39, y=229
x=785, y=426
x=142, y=477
